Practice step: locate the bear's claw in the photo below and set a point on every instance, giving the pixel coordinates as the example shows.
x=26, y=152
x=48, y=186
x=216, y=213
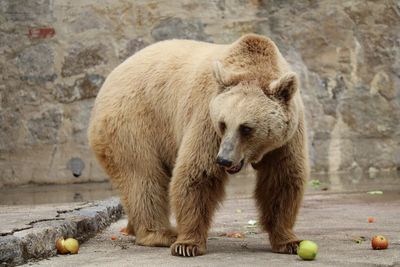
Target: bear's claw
x=184, y=250
x=288, y=248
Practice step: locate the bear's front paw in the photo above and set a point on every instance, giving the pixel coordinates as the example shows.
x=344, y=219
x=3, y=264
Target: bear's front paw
x=186, y=250
x=287, y=248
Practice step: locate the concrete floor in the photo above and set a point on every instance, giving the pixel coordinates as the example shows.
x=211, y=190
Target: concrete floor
x=331, y=218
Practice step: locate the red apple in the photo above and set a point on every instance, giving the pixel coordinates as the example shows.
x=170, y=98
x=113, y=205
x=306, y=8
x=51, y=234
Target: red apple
x=379, y=242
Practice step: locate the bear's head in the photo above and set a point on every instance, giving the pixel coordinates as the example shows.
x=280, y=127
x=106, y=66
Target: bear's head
x=251, y=119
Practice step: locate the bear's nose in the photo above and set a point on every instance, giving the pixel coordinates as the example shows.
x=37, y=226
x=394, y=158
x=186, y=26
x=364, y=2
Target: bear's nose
x=224, y=162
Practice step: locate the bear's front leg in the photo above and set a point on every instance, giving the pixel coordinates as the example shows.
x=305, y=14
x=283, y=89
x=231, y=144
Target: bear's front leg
x=196, y=188
x=281, y=175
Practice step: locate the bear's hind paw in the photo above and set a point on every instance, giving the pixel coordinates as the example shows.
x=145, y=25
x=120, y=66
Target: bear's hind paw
x=157, y=239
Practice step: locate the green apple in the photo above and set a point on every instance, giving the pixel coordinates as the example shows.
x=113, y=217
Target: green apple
x=307, y=250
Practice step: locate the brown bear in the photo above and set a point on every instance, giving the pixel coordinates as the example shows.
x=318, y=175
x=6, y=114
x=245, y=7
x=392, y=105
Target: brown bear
x=172, y=121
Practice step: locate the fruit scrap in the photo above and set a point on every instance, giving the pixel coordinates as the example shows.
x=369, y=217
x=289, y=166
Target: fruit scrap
x=315, y=183
x=124, y=231
x=307, y=250
x=252, y=223
x=379, y=242
x=376, y=192
x=371, y=219
x=113, y=237
x=69, y=245
x=235, y=235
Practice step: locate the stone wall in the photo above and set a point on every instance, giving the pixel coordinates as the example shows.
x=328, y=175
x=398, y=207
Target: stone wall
x=54, y=56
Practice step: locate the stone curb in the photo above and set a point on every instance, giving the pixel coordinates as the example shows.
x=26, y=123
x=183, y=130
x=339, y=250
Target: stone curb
x=38, y=242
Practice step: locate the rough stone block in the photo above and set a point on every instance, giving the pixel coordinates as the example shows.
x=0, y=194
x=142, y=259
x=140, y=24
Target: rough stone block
x=36, y=63
x=83, y=88
x=170, y=28
x=81, y=58
x=44, y=127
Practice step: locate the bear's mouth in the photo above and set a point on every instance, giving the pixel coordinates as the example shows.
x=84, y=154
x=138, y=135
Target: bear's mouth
x=236, y=168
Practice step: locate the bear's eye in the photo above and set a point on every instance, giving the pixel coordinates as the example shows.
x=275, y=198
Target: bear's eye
x=245, y=130
x=222, y=127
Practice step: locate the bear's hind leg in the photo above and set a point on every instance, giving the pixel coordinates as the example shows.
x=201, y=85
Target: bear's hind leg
x=144, y=194
x=127, y=151
x=149, y=208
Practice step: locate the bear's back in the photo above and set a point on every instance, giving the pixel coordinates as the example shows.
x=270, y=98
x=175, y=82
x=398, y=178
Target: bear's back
x=167, y=65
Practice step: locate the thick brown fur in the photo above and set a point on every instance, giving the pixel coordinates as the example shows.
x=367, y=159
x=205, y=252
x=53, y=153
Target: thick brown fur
x=155, y=128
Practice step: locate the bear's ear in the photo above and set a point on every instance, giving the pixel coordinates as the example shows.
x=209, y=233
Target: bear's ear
x=220, y=74
x=226, y=78
x=285, y=87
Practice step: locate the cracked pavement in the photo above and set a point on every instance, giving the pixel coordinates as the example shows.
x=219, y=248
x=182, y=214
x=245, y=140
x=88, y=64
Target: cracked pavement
x=29, y=232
